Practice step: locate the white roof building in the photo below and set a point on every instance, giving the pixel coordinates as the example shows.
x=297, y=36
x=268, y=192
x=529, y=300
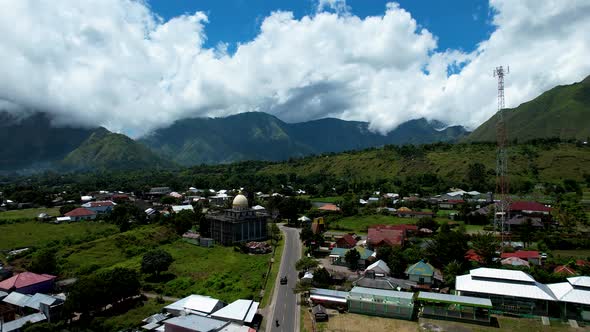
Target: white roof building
x=196, y=304
x=503, y=282
x=379, y=267
x=575, y=290
x=240, y=311
x=178, y=208
x=17, y=299
x=17, y=324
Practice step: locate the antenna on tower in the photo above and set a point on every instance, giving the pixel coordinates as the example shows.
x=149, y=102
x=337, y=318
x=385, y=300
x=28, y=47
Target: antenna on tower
x=502, y=206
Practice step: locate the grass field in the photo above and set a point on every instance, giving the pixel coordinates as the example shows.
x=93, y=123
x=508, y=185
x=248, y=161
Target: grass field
x=31, y=233
x=27, y=214
x=330, y=199
x=359, y=224
x=219, y=272
x=581, y=254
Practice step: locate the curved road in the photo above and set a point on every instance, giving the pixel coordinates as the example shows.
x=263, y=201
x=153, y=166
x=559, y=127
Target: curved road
x=284, y=307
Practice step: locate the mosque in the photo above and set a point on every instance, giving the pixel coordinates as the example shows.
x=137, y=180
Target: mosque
x=239, y=224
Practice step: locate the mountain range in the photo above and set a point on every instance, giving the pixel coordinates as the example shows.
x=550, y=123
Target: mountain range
x=34, y=143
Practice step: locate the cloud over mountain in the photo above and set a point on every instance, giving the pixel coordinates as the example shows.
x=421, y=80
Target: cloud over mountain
x=117, y=64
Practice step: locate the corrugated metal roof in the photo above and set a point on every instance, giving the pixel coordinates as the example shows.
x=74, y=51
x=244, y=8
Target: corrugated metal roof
x=328, y=292
x=379, y=265
x=36, y=300
x=381, y=292
x=484, y=272
x=17, y=299
x=194, y=302
x=447, y=298
x=16, y=324
x=503, y=287
x=239, y=310
x=190, y=322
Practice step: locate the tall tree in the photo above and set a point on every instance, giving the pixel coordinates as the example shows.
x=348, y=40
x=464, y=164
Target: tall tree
x=44, y=261
x=156, y=261
x=486, y=245
x=351, y=258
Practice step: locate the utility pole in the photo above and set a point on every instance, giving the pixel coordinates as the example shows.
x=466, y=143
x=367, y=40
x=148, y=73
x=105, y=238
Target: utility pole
x=502, y=207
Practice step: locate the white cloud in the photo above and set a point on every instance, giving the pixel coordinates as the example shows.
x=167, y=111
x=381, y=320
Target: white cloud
x=115, y=63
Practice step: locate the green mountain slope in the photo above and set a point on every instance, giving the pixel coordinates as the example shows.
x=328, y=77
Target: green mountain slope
x=563, y=112
x=106, y=150
x=542, y=162
x=260, y=136
x=33, y=143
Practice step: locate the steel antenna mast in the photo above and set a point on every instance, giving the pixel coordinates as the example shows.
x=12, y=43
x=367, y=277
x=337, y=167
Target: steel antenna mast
x=502, y=205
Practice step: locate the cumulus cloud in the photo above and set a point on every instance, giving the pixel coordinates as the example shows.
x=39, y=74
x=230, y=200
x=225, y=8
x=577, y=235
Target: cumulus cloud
x=117, y=64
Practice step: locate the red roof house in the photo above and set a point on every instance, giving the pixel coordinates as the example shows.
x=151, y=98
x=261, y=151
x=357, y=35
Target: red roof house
x=347, y=241
x=380, y=235
x=472, y=256
x=329, y=207
x=564, y=270
x=532, y=256
x=81, y=214
x=529, y=207
x=28, y=283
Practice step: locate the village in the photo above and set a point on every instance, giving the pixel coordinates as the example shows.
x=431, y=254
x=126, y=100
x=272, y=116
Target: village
x=409, y=258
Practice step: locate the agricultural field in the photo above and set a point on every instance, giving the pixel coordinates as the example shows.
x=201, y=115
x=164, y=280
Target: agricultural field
x=360, y=224
x=27, y=214
x=32, y=233
x=131, y=318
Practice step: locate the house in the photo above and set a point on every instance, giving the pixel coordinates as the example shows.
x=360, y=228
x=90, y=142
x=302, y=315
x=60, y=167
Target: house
x=79, y=214
x=28, y=283
x=405, y=212
x=159, y=191
x=515, y=261
x=329, y=207
x=17, y=324
x=50, y=306
x=450, y=204
x=531, y=256
x=472, y=256
x=337, y=256
x=511, y=291
x=518, y=221
x=379, y=268
x=100, y=207
x=346, y=241
x=194, y=304
x=388, y=235
x=372, y=280
x=529, y=208
x=379, y=302
x=454, y=307
x=564, y=270
x=319, y=313
x=423, y=273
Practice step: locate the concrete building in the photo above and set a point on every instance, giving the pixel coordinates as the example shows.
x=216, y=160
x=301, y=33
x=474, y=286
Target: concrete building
x=379, y=302
x=239, y=224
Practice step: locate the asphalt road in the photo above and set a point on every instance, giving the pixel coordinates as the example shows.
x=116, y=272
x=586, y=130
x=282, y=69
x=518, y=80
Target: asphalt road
x=284, y=304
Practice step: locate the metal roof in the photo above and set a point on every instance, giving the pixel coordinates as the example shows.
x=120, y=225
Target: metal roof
x=579, y=281
x=36, y=300
x=446, y=298
x=196, y=323
x=564, y=291
x=17, y=299
x=3, y=294
x=194, y=302
x=328, y=292
x=514, y=275
x=379, y=265
x=16, y=324
x=382, y=292
x=239, y=310
x=503, y=287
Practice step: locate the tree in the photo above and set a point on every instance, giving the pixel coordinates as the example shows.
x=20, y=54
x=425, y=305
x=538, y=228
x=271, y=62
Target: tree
x=569, y=211
x=44, y=261
x=121, y=283
x=349, y=205
x=322, y=278
x=451, y=271
x=526, y=232
x=476, y=176
x=352, y=257
x=183, y=221
x=427, y=222
x=486, y=246
x=394, y=258
x=156, y=261
x=301, y=287
x=275, y=233
x=67, y=208
x=306, y=263
x=447, y=246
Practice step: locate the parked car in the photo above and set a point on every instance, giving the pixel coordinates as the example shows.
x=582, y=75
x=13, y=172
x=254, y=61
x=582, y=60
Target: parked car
x=284, y=280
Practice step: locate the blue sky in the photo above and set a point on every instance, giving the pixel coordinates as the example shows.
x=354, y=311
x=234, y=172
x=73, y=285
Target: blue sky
x=458, y=24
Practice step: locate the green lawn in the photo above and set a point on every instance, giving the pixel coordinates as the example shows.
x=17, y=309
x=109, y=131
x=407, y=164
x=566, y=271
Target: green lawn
x=330, y=199
x=581, y=254
x=31, y=233
x=360, y=224
x=27, y=214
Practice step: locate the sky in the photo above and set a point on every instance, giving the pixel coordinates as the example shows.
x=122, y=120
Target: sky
x=135, y=66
